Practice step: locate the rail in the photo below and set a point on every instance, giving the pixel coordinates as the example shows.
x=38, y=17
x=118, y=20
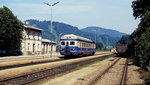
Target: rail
x=124, y=75
x=93, y=80
x=99, y=75
x=33, y=76
x=34, y=63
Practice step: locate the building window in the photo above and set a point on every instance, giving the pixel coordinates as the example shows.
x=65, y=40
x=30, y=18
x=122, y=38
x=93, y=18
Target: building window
x=38, y=47
x=28, y=34
x=28, y=46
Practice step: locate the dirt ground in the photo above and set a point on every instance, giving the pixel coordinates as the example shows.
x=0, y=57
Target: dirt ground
x=133, y=77
x=84, y=74
x=114, y=75
x=26, y=69
x=76, y=76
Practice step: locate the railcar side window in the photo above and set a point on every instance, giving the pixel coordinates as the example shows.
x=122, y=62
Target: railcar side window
x=72, y=43
x=62, y=43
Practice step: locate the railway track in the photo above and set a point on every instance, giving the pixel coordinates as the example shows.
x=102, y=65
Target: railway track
x=124, y=75
x=34, y=63
x=123, y=78
x=8, y=59
x=33, y=76
x=28, y=64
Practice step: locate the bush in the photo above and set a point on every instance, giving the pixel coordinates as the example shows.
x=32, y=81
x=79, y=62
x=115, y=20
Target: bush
x=147, y=79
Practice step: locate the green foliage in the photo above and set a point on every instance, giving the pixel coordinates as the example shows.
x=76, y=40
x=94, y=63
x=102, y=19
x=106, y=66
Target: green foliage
x=125, y=40
x=144, y=24
x=142, y=49
x=141, y=36
x=99, y=46
x=140, y=7
x=10, y=31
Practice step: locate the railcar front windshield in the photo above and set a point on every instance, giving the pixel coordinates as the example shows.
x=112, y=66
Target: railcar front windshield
x=72, y=43
x=63, y=43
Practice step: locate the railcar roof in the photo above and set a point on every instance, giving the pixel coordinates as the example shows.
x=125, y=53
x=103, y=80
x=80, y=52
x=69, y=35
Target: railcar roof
x=72, y=36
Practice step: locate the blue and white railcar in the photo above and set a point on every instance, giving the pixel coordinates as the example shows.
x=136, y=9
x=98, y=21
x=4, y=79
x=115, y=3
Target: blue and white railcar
x=76, y=45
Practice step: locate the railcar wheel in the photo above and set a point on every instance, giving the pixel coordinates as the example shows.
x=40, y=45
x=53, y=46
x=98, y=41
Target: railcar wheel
x=93, y=53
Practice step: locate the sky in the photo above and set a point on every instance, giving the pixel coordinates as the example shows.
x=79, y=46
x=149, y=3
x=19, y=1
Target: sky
x=111, y=14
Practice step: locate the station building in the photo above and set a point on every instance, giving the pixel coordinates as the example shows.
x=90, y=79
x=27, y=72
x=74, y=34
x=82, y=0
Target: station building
x=46, y=46
x=34, y=44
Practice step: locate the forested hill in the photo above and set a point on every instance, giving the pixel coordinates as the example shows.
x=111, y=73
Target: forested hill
x=106, y=36
x=103, y=31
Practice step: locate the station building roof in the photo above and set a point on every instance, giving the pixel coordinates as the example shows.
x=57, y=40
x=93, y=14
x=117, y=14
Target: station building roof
x=28, y=26
x=47, y=41
x=32, y=28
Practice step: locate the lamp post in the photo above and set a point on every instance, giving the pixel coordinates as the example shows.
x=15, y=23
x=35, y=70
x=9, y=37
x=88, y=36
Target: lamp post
x=60, y=35
x=59, y=41
x=51, y=5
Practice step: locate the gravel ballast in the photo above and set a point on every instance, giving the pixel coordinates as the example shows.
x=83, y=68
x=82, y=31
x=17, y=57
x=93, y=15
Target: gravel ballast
x=76, y=76
x=133, y=76
x=27, y=69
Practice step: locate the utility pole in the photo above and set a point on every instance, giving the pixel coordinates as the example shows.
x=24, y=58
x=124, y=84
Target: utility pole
x=59, y=44
x=106, y=42
x=51, y=5
x=95, y=36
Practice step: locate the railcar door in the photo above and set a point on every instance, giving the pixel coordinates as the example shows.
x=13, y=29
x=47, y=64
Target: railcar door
x=67, y=51
x=80, y=48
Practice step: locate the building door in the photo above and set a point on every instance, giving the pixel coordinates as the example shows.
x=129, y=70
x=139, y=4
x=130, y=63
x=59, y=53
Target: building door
x=33, y=48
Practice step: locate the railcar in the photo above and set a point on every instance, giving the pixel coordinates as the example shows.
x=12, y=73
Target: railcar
x=75, y=45
x=121, y=49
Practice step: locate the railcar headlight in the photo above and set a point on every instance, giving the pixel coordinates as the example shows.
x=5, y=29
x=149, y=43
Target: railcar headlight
x=72, y=49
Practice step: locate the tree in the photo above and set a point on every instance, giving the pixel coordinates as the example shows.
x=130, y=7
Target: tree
x=99, y=45
x=142, y=49
x=125, y=40
x=141, y=42
x=10, y=31
x=140, y=7
x=141, y=36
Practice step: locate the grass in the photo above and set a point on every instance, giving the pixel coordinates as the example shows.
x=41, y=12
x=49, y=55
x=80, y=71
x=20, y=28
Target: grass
x=78, y=67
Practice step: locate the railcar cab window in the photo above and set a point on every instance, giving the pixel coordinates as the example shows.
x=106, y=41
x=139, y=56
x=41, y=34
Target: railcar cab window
x=67, y=43
x=62, y=43
x=72, y=43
